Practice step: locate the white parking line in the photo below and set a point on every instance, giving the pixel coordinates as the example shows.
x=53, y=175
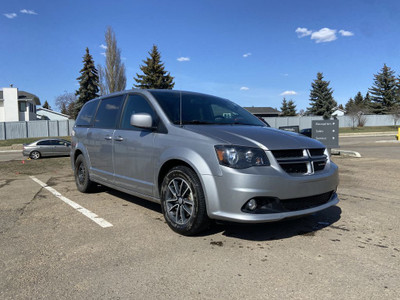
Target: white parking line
x=92, y=216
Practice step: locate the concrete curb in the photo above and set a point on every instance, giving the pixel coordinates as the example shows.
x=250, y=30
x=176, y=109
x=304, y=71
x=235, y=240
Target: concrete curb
x=368, y=134
x=345, y=153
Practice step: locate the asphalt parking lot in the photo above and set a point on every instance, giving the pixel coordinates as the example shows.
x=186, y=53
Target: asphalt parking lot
x=52, y=250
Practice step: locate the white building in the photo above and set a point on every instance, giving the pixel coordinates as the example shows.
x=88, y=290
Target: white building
x=338, y=112
x=48, y=114
x=17, y=105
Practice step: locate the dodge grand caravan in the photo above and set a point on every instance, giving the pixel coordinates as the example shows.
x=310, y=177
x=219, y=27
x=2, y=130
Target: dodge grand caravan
x=201, y=157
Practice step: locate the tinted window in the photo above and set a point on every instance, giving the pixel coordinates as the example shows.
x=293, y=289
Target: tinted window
x=135, y=104
x=107, y=113
x=202, y=109
x=86, y=114
x=59, y=143
x=44, y=143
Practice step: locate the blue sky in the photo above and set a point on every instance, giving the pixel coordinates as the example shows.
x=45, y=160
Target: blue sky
x=252, y=52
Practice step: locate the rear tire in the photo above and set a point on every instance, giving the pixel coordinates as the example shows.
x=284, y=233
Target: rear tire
x=81, y=172
x=183, y=202
x=35, y=155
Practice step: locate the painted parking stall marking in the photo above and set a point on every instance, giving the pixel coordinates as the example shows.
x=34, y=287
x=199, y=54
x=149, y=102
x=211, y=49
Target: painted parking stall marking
x=92, y=216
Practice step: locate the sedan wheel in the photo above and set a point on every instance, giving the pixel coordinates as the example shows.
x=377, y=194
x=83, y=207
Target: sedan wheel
x=182, y=201
x=35, y=155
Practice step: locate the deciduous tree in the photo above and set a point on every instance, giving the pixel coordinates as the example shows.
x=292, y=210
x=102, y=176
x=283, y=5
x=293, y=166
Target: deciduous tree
x=112, y=75
x=65, y=103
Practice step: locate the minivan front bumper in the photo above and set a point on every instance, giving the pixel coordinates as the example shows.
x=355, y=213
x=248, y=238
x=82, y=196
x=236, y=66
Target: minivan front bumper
x=228, y=194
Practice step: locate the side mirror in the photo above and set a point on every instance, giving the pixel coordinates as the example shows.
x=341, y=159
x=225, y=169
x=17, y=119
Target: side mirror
x=142, y=120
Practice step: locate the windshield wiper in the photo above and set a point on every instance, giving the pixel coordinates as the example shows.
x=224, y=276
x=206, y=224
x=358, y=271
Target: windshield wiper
x=198, y=122
x=240, y=123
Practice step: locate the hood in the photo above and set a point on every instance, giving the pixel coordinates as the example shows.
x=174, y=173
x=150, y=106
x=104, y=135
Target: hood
x=253, y=136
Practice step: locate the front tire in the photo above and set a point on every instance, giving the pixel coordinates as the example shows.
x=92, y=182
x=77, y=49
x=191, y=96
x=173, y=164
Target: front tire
x=183, y=202
x=81, y=172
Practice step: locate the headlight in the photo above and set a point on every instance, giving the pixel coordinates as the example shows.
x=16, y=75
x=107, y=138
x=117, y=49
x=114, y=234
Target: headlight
x=239, y=157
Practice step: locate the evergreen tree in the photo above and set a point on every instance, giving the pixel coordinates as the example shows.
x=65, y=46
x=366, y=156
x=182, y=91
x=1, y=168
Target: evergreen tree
x=154, y=76
x=359, y=100
x=321, y=99
x=349, y=105
x=384, y=92
x=367, y=101
x=291, y=109
x=341, y=106
x=46, y=105
x=88, y=83
x=284, y=107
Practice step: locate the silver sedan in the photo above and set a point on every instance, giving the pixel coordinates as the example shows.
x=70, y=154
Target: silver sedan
x=47, y=147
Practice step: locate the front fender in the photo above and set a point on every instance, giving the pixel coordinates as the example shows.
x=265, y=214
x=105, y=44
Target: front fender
x=203, y=163
x=79, y=148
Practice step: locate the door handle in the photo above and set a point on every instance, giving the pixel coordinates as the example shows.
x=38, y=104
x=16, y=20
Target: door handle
x=119, y=139
x=108, y=138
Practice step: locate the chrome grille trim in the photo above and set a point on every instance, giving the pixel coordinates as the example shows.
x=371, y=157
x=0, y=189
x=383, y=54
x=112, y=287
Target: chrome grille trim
x=301, y=161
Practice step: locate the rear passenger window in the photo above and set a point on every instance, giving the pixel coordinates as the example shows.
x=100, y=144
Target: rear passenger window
x=135, y=104
x=87, y=113
x=44, y=143
x=107, y=113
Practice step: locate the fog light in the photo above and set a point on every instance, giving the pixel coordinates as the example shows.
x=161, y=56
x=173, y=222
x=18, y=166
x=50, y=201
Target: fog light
x=252, y=204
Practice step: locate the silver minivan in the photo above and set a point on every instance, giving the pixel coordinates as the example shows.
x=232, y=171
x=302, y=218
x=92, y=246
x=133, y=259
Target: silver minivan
x=201, y=157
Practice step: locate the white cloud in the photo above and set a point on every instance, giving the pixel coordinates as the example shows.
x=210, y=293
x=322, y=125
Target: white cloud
x=346, y=33
x=244, y=88
x=28, y=12
x=324, y=35
x=103, y=53
x=183, y=59
x=10, y=15
x=302, y=32
x=288, y=93
x=102, y=46
x=247, y=54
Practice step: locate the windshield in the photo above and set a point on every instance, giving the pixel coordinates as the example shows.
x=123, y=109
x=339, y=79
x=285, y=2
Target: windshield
x=203, y=109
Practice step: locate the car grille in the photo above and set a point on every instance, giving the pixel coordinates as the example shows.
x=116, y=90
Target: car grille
x=306, y=202
x=301, y=161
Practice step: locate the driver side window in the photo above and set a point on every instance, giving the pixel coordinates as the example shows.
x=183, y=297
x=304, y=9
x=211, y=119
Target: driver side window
x=135, y=104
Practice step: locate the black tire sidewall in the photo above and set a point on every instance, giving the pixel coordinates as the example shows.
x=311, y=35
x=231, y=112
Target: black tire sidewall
x=85, y=186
